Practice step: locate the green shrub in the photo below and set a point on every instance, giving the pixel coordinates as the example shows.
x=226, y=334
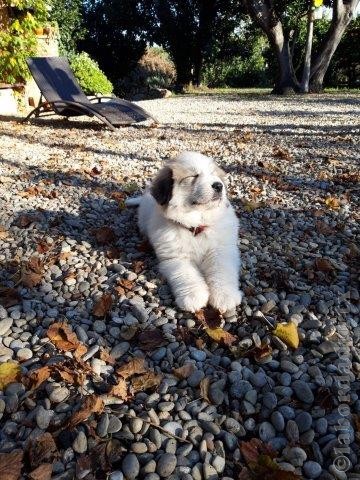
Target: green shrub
x=154, y=70
x=239, y=71
x=92, y=80
x=18, y=37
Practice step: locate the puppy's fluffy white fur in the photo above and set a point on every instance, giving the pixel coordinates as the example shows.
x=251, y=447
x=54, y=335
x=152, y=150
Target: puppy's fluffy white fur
x=193, y=229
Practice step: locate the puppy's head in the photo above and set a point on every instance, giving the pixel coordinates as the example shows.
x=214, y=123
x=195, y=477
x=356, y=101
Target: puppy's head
x=190, y=181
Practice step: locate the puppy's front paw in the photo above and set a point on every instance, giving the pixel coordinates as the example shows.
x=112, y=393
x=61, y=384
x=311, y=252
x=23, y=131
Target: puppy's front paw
x=225, y=300
x=193, y=301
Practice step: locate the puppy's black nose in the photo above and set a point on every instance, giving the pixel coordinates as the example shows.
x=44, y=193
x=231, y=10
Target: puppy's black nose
x=217, y=186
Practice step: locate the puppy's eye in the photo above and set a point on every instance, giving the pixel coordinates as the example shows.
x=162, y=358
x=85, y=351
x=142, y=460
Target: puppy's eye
x=189, y=180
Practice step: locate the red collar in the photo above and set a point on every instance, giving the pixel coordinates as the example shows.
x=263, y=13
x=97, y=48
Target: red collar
x=196, y=230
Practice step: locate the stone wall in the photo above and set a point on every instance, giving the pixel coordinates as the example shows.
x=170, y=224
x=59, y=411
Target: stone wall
x=47, y=47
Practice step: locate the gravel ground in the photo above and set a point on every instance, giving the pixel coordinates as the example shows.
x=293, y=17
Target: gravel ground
x=66, y=241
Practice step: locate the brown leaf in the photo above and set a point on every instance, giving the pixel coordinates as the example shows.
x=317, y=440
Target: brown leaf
x=253, y=448
x=104, y=235
x=42, y=449
x=282, y=153
x=145, y=247
x=118, y=196
x=209, y=317
x=151, y=339
x=80, y=350
x=124, y=286
x=35, y=378
x=63, y=337
x=32, y=272
x=92, y=404
x=138, y=266
x=105, y=356
x=204, y=389
x=11, y=465
x=135, y=366
x=185, y=371
x=103, y=305
x=96, y=170
x=24, y=221
x=43, y=247
x=323, y=265
x=324, y=228
x=83, y=466
x=4, y=233
x=120, y=390
x=146, y=381
x=42, y=472
x=9, y=297
x=113, y=253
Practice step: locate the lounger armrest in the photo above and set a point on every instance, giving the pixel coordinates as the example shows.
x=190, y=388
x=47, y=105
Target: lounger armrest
x=98, y=99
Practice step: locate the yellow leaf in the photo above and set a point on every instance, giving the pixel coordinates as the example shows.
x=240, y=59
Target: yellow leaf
x=318, y=3
x=288, y=333
x=220, y=335
x=332, y=203
x=9, y=373
x=251, y=206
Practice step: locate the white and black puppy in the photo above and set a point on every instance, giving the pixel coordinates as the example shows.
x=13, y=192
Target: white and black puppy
x=193, y=229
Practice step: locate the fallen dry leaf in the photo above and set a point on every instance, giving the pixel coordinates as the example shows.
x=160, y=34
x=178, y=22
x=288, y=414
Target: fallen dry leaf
x=145, y=247
x=104, y=235
x=145, y=381
x=9, y=372
x=209, y=317
x=43, y=246
x=204, y=388
x=42, y=449
x=9, y=297
x=105, y=356
x=288, y=333
x=42, y=472
x=282, y=153
x=113, y=253
x=120, y=390
x=135, y=366
x=323, y=265
x=83, y=466
x=138, y=266
x=63, y=337
x=324, y=228
x=103, y=305
x=35, y=378
x=253, y=448
x=151, y=339
x=332, y=203
x=32, y=272
x=80, y=350
x=250, y=206
x=124, y=286
x=221, y=336
x=4, y=233
x=11, y=465
x=185, y=371
x=91, y=404
x=24, y=221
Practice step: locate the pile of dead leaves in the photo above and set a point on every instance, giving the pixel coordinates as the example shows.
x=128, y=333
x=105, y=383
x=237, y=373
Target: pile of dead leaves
x=260, y=464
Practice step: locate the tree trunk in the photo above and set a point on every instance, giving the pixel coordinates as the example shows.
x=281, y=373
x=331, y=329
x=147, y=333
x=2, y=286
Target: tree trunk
x=204, y=36
x=343, y=12
x=263, y=13
x=304, y=87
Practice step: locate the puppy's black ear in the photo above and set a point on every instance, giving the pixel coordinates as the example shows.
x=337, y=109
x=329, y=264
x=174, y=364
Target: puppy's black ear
x=162, y=186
